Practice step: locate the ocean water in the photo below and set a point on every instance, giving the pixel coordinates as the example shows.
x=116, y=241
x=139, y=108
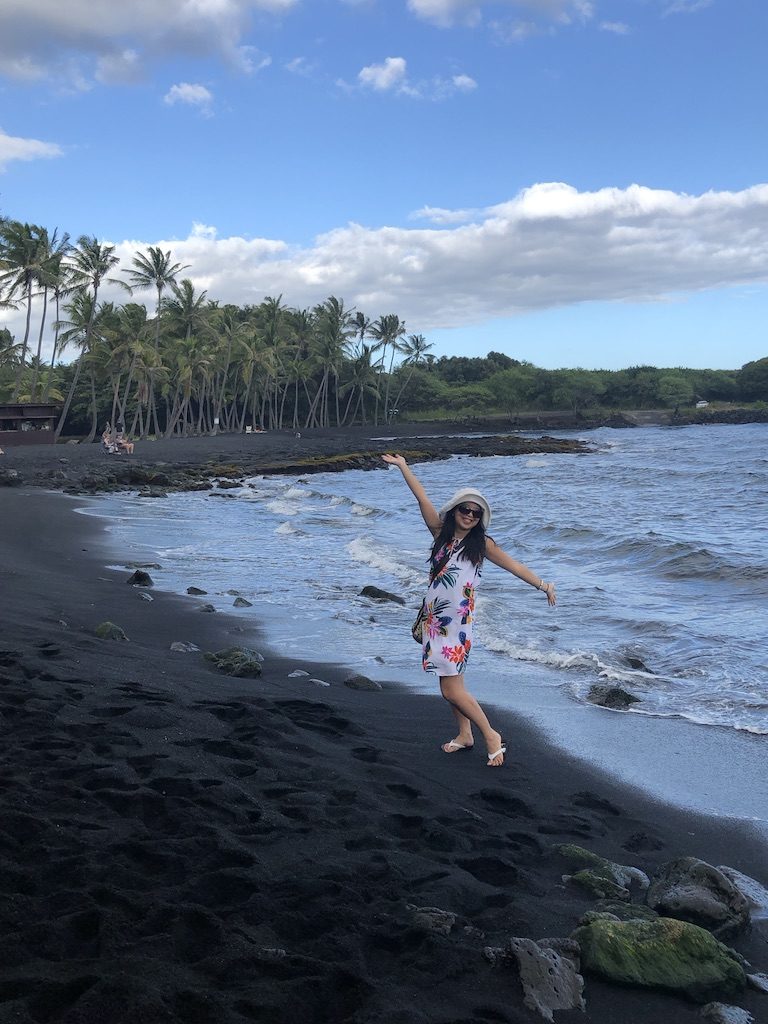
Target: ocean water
x=656, y=543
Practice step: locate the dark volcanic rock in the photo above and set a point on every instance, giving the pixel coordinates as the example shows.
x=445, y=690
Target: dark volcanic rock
x=196, y=591
x=241, y=662
x=360, y=682
x=140, y=578
x=376, y=594
x=612, y=697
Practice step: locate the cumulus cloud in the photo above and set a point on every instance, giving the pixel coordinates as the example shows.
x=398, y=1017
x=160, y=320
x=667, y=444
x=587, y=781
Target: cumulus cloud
x=192, y=94
x=550, y=246
x=48, y=38
x=15, y=148
x=383, y=77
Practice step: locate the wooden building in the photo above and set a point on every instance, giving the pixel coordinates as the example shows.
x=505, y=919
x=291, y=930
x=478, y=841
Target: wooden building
x=27, y=423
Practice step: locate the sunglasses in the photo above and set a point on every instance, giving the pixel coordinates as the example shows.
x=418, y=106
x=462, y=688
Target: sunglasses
x=471, y=513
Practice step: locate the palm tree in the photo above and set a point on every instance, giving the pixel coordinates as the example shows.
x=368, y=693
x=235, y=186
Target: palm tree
x=332, y=334
x=188, y=316
x=363, y=381
x=51, y=253
x=155, y=269
x=362, y=326
x=387, y=331
x=19, y=273
x=415, y=349
x=60, y=284
x=90, y=262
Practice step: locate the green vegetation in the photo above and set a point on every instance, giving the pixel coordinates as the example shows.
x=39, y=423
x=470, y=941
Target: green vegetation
x=191, y=365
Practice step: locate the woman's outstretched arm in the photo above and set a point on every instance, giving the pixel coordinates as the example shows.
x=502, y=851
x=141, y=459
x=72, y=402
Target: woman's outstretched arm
x=428, y=510
x=494, y=553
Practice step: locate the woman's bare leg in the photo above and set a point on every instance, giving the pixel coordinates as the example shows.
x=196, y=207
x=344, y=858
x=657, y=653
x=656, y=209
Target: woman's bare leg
x=468, y=713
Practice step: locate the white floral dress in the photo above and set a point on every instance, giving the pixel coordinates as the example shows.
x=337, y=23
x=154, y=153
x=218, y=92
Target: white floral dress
x=449, y=611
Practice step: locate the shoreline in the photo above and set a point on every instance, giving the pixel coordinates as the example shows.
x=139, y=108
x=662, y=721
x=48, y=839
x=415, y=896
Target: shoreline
x=252, y=846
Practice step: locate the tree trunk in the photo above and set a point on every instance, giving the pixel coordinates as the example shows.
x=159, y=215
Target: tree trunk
x=36, y=371
x=20, y=371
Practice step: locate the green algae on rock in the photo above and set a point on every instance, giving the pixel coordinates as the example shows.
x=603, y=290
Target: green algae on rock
x=240, y=662
x=666, y=954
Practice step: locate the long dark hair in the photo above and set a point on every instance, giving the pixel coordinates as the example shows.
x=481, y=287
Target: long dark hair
x=473, y=545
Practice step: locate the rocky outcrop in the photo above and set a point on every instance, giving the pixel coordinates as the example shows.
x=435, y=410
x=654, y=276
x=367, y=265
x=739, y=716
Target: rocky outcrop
x=692, y=890
x=674, y=956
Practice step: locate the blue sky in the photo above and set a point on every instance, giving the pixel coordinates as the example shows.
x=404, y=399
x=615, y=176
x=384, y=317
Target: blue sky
x=572, y=182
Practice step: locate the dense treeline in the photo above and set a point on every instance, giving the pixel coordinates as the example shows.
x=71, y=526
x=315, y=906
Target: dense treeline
x=191, y=365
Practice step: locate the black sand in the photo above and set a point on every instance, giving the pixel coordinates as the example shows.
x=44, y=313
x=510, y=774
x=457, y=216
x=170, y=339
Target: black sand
x=176, y=845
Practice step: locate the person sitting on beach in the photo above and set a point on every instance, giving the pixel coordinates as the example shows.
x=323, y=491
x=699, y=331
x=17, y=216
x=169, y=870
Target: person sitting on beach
x=460, y=544
x=108, y=441
x=123, y=444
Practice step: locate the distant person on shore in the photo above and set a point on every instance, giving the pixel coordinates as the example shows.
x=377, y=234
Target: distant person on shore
x=460, y=544
x=123, y=444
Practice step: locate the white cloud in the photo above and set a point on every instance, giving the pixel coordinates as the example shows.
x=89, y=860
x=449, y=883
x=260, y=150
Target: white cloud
x=383, y=77
x=550, y=246
x=687, y=6
x=47, y=38
x=192, y=94
x=14, y=148
x=392, y=76
x=464, y=83
x=547, y=247
x=448, y=12
x=617, y=27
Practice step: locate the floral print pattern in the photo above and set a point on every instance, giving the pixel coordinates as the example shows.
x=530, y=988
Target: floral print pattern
x=450, y=611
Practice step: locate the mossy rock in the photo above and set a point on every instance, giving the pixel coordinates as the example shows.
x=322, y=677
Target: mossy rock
x=109, y=631
x=622, y=875
x=240, y=662
x=665, y=954
x=600, y=886
x=626, y=911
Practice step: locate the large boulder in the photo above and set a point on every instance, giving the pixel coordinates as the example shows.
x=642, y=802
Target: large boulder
x=241, y=662
x=692, y=890
x=665, y=954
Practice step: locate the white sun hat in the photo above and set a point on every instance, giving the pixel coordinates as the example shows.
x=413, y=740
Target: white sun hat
x=467, y=494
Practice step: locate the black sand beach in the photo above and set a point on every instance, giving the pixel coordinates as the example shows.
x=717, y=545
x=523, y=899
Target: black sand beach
x=180, y=846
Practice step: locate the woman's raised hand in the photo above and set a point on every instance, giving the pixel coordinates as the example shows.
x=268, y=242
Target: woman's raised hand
x=395, y=460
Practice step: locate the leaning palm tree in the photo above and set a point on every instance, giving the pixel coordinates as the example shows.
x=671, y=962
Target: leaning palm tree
x=414, y=349
x=155, y=269
x=51, y=253
x=19, y=272
x=90, y=263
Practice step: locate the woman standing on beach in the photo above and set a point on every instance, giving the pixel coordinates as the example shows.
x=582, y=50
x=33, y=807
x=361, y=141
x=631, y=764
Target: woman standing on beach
x=460, y=544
